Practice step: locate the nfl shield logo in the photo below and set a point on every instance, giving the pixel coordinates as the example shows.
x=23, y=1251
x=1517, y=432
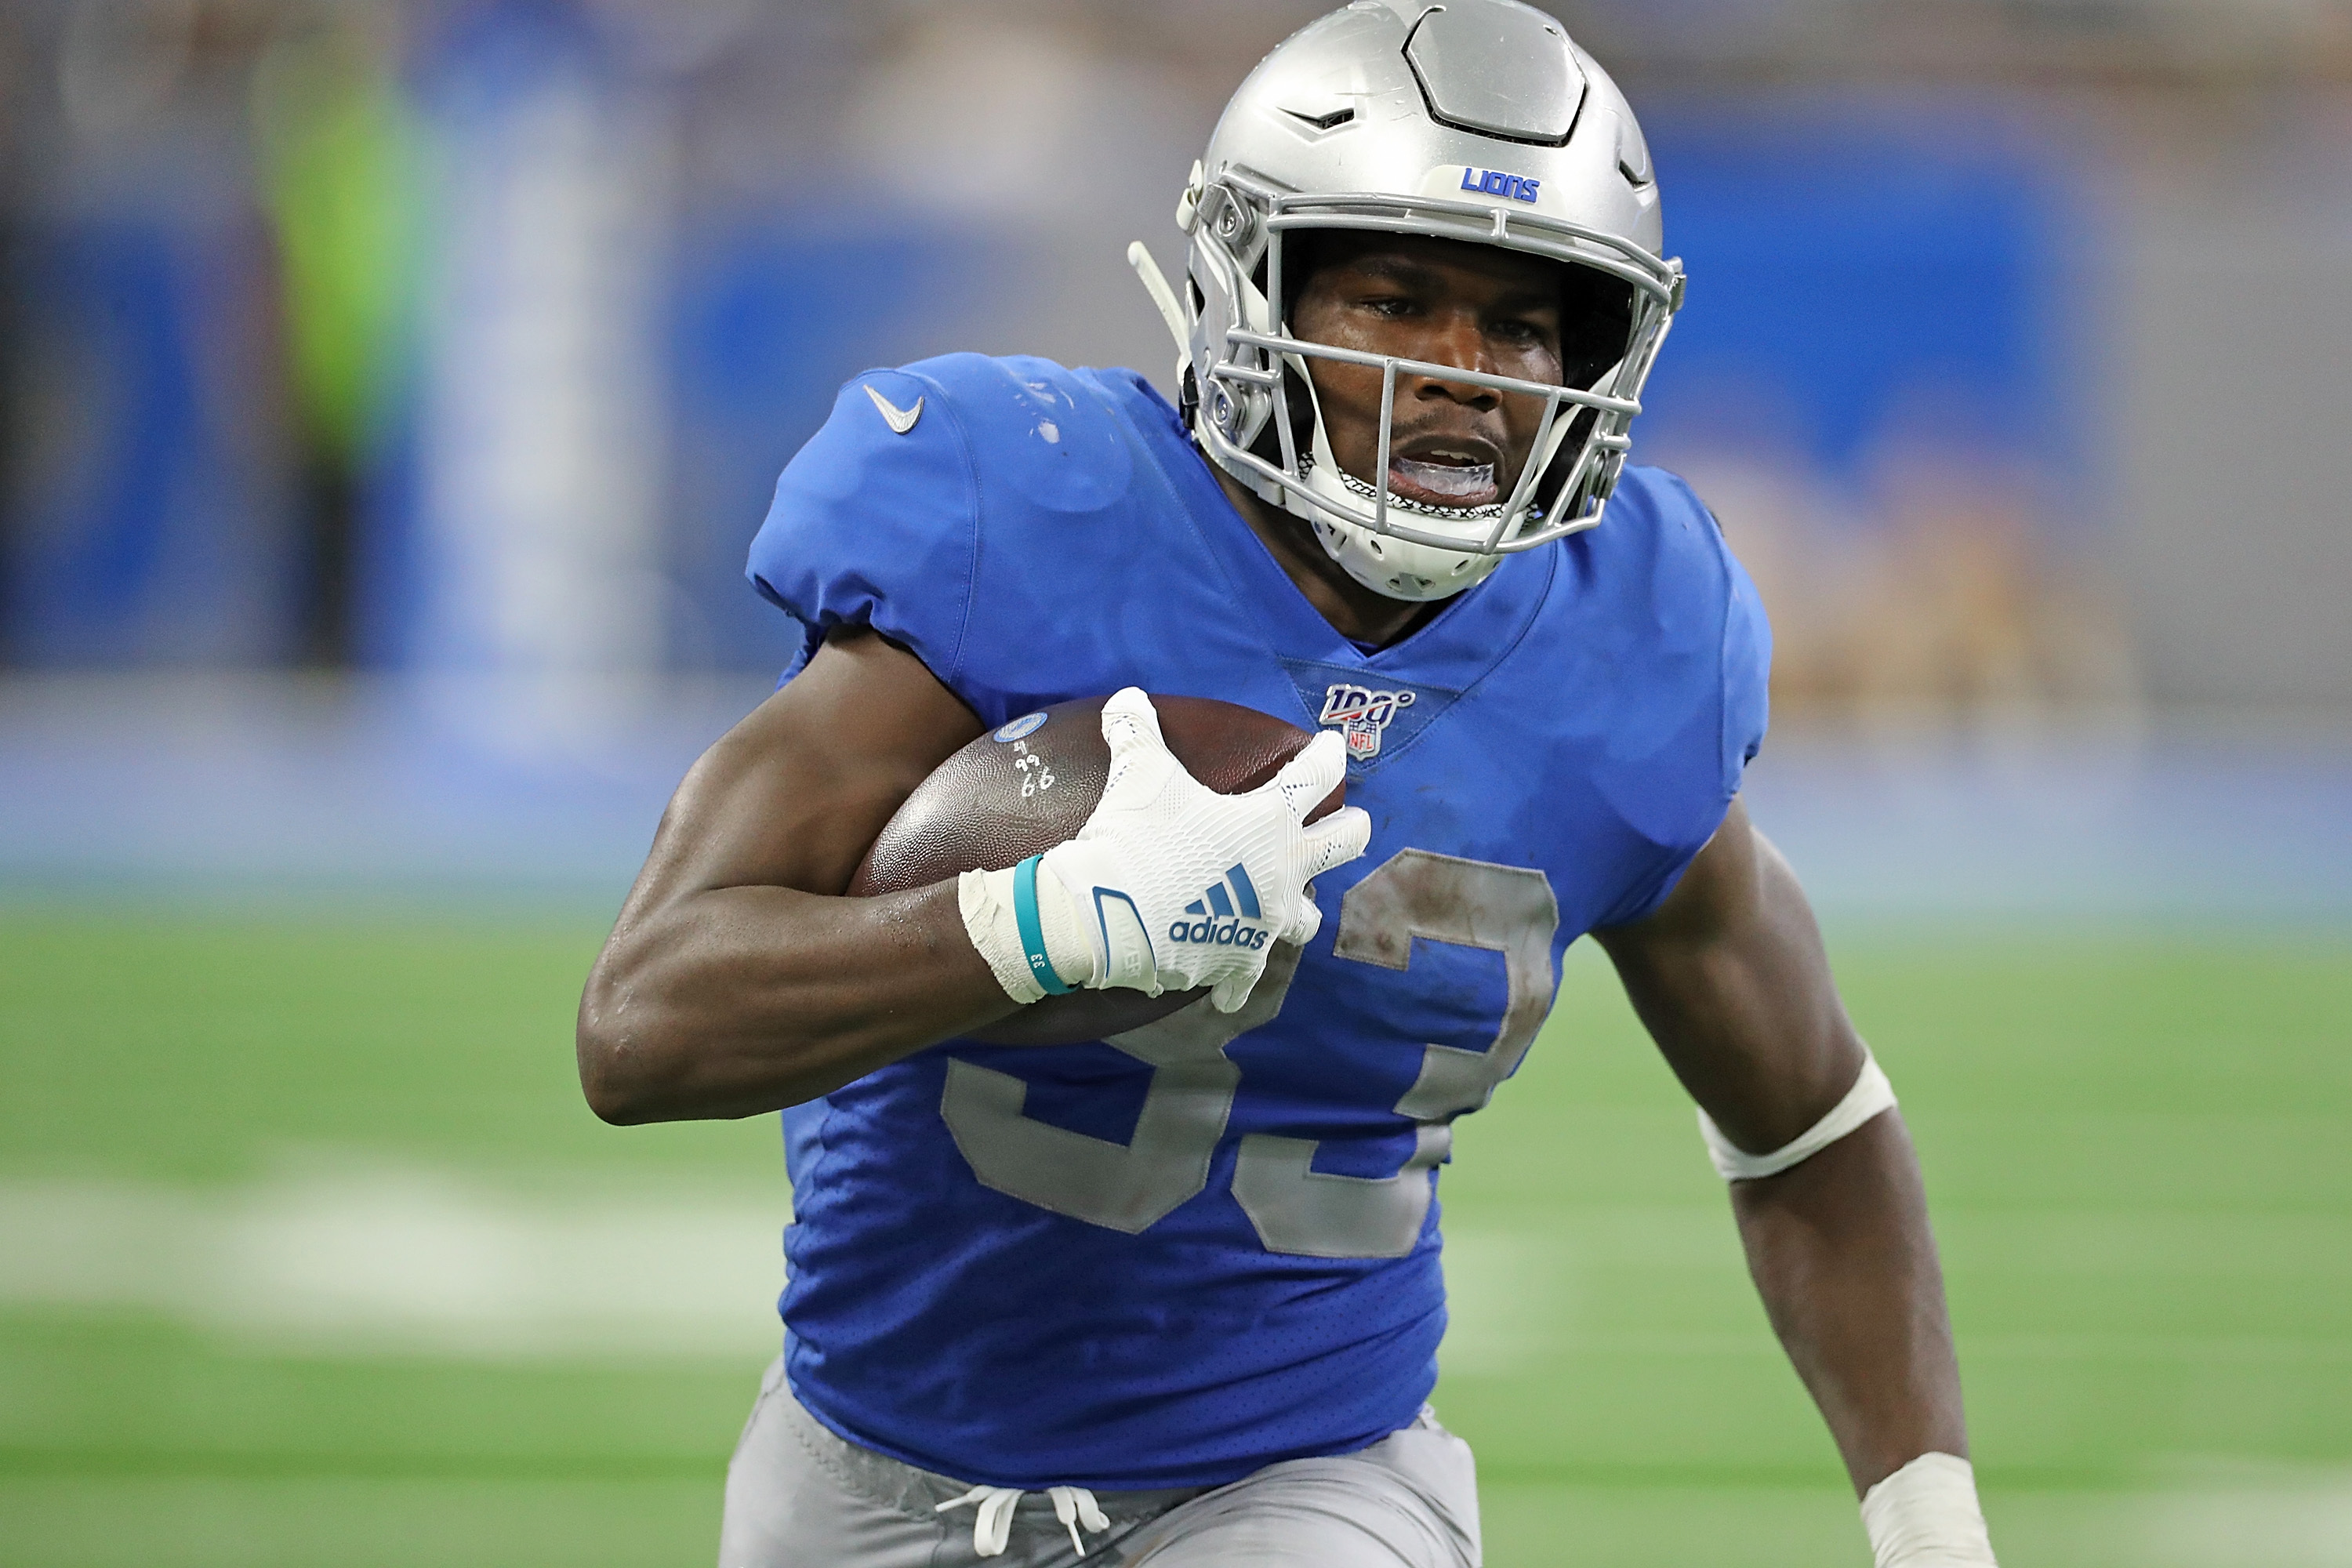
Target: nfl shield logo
x=1361, y=714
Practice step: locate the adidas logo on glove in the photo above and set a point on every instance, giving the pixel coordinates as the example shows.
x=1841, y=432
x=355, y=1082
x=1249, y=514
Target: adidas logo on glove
x=1221, y=914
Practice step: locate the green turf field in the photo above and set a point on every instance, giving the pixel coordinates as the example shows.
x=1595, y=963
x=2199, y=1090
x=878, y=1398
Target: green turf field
x=295, y=1215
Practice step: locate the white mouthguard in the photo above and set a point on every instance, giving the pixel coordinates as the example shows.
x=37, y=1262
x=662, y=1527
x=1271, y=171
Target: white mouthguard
x=1446, y=478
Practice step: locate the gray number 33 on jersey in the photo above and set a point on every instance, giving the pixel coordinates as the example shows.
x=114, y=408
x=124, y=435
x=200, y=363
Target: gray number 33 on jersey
x=1294, y=1207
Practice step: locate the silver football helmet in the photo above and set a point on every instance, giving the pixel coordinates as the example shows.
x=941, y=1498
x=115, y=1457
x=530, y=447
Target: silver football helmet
x=1474, y=119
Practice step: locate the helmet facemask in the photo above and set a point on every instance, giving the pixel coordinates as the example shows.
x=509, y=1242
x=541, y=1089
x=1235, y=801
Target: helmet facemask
x=1251, y=369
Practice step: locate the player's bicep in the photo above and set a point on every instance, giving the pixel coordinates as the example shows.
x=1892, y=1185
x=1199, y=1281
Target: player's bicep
x=791, y=796
x=1731, y=980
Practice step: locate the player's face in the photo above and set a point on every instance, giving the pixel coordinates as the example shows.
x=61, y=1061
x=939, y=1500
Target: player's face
x=1450, y=444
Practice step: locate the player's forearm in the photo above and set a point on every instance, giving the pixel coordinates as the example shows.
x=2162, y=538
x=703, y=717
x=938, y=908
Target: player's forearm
x=1842, y=1253
x=743, y=1000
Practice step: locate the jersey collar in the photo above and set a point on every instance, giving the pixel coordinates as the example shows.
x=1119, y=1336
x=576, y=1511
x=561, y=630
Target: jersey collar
x=1453, y=650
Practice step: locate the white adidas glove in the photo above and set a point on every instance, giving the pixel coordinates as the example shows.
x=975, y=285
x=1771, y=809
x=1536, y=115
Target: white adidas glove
x=1169, y=885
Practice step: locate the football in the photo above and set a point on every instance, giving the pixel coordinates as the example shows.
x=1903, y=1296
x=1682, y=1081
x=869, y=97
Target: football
x=1028, y=786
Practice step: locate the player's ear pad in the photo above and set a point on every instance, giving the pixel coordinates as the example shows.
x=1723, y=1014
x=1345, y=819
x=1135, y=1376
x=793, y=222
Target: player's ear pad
x=1027, y=787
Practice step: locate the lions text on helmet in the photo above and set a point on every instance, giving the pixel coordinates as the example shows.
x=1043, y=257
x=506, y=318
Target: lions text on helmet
x=1494, y=183
x=1435, y=97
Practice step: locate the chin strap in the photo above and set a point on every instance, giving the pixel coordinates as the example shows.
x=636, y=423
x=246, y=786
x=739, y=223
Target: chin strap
x=1155, y=283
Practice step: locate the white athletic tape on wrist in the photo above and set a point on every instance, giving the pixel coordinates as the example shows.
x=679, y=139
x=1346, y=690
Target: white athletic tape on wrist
x=1926, y=1515
x=985, y=899
x=1870, y=1094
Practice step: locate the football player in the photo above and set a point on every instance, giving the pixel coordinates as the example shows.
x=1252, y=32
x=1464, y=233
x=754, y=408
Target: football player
x=1175, y=1297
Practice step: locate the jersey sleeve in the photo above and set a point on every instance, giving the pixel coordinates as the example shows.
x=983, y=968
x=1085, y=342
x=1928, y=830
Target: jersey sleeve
x=875, y=523
x=1741, y=677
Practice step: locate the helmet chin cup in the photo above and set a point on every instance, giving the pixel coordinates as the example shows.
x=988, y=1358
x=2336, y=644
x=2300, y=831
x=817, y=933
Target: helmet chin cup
x=1397, y=568
x=1405, y=146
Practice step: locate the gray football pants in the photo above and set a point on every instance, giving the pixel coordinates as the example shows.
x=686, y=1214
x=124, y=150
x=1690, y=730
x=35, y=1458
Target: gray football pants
x=799, y=1496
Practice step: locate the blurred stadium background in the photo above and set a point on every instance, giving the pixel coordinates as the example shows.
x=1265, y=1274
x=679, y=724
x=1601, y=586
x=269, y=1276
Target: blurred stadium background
x=391, y=389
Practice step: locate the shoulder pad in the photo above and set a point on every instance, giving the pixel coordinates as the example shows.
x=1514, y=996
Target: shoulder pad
x=1050, y=434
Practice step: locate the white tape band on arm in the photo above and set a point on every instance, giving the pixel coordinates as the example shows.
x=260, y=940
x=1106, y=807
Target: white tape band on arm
x=1870, y=1094
x=1926, y=1515
x=985, y=899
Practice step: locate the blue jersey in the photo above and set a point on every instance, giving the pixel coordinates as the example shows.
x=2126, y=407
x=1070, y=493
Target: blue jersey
x=1210, y=1245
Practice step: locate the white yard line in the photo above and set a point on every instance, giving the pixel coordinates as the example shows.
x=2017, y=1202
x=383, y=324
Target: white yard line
x=407, y=1260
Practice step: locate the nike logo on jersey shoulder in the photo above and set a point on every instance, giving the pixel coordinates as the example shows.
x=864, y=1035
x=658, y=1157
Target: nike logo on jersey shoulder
x=900, y=420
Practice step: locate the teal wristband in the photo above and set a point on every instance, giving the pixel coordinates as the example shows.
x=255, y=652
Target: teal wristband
x=1033, y=930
